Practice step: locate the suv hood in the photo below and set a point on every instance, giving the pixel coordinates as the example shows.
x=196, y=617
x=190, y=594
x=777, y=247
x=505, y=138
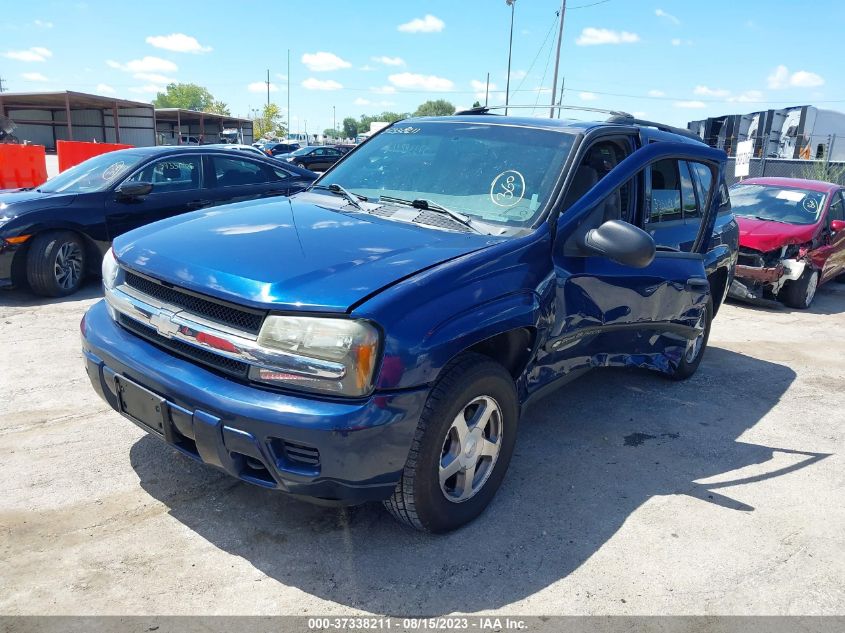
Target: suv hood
x=297, y=254
x=764, y=235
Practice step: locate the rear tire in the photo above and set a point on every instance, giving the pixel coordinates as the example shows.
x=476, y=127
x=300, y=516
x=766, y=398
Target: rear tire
x=461, y=449
x=55, y=264
x=800, y=293
x=695, y=348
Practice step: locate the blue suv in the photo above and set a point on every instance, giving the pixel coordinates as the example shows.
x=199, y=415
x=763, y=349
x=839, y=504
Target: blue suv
x=377, y=336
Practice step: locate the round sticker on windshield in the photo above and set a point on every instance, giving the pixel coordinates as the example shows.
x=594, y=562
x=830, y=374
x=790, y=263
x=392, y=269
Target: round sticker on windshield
x=113, y=170
x=507, y=188
x=810, y=205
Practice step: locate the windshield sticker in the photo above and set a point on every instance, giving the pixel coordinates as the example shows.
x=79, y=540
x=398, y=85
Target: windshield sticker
x=113, y=170
x=810, y=204
x=792, y=196
x=534, y=203
x=507, y=189
x=402, y=130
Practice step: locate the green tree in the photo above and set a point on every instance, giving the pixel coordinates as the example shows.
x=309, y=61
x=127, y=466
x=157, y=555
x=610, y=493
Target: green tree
x=387, y=117
x=218, y=107
x=269, y=123
x=331, y=133
x=440, y=107
x=350, y=127
x=476, y=104
x=187, y=97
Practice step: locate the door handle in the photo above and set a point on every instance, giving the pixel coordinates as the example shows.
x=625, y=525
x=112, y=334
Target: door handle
x=697, y=283
x=198, y=204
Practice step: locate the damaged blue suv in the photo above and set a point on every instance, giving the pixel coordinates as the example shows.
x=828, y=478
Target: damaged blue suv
x=378, y=336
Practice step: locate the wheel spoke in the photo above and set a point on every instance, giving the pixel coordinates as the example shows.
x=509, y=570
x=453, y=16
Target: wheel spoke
x=461, y=428
x=489, y=449
x=482, y=415
x=452, y=466
x=467, y=476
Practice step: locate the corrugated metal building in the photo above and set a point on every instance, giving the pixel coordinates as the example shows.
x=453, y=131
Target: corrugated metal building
x=176, y=126
x=42, y=118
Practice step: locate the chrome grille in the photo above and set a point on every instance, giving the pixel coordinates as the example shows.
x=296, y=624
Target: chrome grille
x=238, y=317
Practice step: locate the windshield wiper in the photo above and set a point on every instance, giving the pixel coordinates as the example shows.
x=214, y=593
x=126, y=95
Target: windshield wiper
x=766, y=219
x=351, y=198
x=430, y=205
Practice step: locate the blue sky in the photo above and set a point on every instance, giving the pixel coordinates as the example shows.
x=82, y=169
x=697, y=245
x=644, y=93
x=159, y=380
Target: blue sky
x=670, y=60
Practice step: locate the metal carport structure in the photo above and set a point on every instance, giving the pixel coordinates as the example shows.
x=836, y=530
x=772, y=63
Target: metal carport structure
x=174, y=123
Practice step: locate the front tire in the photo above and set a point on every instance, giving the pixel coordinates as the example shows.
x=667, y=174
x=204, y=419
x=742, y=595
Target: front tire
x=461, y=449
x=695, y=348
x=800, y=293
x=55, y=265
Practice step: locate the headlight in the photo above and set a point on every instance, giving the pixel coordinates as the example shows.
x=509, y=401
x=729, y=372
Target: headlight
x=110, y=269
x=319, y=354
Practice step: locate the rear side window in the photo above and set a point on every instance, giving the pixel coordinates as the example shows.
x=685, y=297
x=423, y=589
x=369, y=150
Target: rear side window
x=171, y=174
x=232, y=172
x=837, y=208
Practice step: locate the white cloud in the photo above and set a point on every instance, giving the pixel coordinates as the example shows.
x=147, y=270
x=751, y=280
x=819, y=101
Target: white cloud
x=660, y=13
x=261, y=86
x=388, y=61
x=105, y=89
x=148, y=89
x=43, y=24
x=781, y=78
x=366, y=102
x=690, y=105
x=366, y=68
x=423, y=82
x=805, y=79
x=518, y=74
x=587, y=96
x=676, y=41
x=480, y=88
x=34, y=77
x=362, y=102
x=428, y=24
x=281, y=77
x=321, y=84
x=34, y=54
x=324, y=62
x=747, y=96
x=656, y=93
x=383, y=90
x=591, y=36
x=154, y=78
x=147, y=64
x=178, y=43
x=705, y=91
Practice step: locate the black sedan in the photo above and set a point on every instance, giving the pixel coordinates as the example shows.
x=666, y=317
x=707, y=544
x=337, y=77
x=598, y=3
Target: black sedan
x=316, y=157
x=54, y=235
x=277, y=149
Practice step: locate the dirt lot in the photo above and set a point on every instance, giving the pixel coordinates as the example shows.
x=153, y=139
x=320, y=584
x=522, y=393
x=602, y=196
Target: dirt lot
x=627, y=494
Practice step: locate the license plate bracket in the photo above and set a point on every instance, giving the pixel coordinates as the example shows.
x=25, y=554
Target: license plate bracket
x=141, y=405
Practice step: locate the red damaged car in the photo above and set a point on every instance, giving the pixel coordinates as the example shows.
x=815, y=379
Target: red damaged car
x=791, y=238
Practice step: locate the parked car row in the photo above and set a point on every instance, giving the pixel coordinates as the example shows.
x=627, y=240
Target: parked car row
x=53, y=236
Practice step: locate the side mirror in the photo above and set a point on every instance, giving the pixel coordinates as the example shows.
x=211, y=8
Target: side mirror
x=837, y=225
x=134, y=189
x=624, y=243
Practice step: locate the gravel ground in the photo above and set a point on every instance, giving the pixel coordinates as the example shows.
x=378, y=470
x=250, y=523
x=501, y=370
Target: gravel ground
x=628, y=494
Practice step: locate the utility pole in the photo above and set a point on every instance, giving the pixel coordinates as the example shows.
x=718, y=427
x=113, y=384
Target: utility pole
x=487, y=90
x=560, y=99
x=557, y=57
x=268, y=86
x=334, y=119
x=511, y=4
x=289, y=121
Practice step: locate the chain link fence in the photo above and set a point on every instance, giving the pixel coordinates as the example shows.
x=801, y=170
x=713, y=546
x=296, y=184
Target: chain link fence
x=828, y=171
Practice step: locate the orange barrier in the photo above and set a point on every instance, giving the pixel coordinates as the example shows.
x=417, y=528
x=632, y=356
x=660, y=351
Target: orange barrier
x=22, y=166
x=74, y=152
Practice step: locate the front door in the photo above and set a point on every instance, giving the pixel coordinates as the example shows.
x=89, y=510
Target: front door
x=610, y=314
x=833, y=252
x=177, y=188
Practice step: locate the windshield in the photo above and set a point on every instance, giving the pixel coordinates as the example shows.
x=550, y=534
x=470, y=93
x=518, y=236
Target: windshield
x=498, y=173
x=781, y=204
x=95, y=174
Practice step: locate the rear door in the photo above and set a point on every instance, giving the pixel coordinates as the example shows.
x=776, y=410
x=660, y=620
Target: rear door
x=610, y=314
x=238, y=178
x=179, y=186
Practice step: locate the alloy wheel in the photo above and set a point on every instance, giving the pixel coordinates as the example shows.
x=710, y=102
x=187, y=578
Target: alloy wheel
x=68, y=265
x=470, y=450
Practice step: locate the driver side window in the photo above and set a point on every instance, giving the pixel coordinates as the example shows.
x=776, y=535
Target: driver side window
x=837, y=208
x=171, y=174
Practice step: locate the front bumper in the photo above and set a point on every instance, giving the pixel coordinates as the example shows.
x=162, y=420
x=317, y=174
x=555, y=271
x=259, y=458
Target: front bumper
x=327, y=451
x=757, y=283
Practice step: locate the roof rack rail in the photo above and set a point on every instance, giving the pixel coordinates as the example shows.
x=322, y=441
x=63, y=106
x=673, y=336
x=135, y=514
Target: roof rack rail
x=632, y=120
x=486, y=109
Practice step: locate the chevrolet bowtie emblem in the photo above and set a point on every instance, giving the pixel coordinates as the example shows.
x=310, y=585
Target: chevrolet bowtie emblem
x=164, y=324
